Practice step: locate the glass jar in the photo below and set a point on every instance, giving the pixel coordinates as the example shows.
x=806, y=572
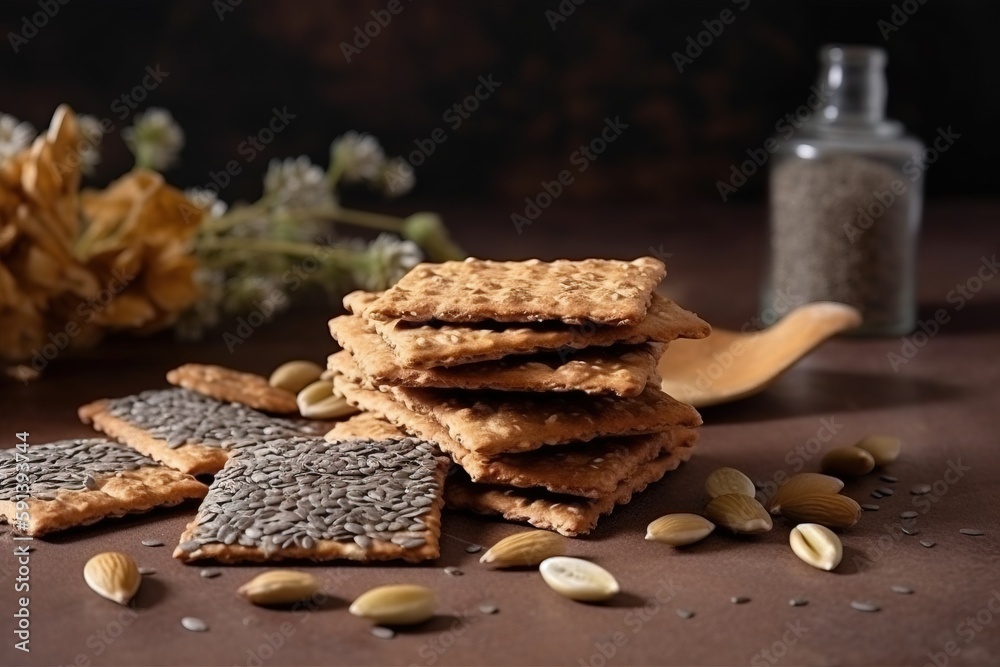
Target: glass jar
x=846, y=190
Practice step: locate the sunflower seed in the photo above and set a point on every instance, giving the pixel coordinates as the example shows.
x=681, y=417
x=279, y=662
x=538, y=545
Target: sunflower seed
x=877, y=495
x=152, y=543
x=685, y=613
x=888, y=478
x=473, y=549
x=910, y=514
x=194, y=624
x=739, y=599
x=972, y=532
x=798, y=602
x=869, y=507
x=147, y=570
x=885, y=490
x=920, y=489
x=487, y=608
x=927, y=544
x=865, y=605
x=902, y=590
x=910, y=531
x=210, y=573
x=383, y=632
x=453, y=571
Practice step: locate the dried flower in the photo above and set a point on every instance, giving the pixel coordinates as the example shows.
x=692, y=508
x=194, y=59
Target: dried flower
x=155, y=139
x=356, y=157
x=15, y=135
x=385, y=261
x=297, y=182
x=397, y=177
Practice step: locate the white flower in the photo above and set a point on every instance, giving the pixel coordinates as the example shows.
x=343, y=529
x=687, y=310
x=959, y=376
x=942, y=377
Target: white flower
x=15, y=135
x=387, y=259
x=297, y=182
x=155, y=139
x=397, y=177
x=358, y=157
x=207, y=200
x=90, y=143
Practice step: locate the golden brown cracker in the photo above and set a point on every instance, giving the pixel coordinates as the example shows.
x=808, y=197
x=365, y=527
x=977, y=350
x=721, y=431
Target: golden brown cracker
x=365, y=426
x=567, y=515
x=129, y=483
x=422, y=345
x=226, y=384
x=604, y=291
x=491, y=423
x=331, y=500
x=621, y=370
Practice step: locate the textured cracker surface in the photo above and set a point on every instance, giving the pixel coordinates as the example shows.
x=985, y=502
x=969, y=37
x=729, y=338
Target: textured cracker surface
x=490, y=423
x=193, y=459
x=117, y=494
x=365, y=426
x=592, y=290
x=619, y=370
x=566, y=515
x=325, y=550
x=591, y=469
x=226, y=384
x=430, y=345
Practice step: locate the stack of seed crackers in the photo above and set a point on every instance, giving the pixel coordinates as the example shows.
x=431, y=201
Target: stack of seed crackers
x=537, y=378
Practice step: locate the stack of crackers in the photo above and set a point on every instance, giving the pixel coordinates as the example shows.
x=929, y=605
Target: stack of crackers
x=538, y=379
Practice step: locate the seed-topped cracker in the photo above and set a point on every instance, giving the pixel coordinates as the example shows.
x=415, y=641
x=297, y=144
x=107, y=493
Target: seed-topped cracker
x=366, y=426
x=491, y=423
x=593, y=469
x=430, y=345
x=186, y=430
x=567, y=515
x=621, y=370
x=226, y=384
x=603, y=291
x=308, y=498
x=77, y=482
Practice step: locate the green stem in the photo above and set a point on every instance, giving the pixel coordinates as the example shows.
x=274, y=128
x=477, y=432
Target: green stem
x=292, y=248
x=388, y=223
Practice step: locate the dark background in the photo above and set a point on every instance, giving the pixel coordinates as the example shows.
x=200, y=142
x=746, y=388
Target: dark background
x=606, y=59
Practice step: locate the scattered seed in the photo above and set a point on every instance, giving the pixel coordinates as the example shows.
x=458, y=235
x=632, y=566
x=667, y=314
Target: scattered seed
x=910, y=531
x=927, y=543
x=473, y=549
x=487, y=608
x=453, y=571
x=920, y=489
x=685, y=613
x=152, y=543
x=739, y=599
x=147, y=570
x=908, y=515
x=877, y=495
x=210, y=572
x=971, y=532
x=888, y=478
x=249, y=620
x=902, y=590
x=864, y=605
x=194, y=624
x=798, y=602
x=885, y=490
x=383, y=632
x=869, y=507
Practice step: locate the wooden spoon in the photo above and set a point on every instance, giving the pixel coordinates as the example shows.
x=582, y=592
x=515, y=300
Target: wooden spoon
x=729, y=365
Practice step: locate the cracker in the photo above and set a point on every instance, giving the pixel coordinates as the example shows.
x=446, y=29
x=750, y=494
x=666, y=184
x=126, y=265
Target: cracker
x=592, y=469
x=421, y=345
x=365, y=426
x=567, y=515
x=78, y=482
x=491, y=423
x=306, y=498
x=604, y=291
x=619, y=370
x=226, y=384
x=185, y=430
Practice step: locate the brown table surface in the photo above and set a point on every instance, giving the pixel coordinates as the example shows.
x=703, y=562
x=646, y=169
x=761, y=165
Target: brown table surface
x=944, y=403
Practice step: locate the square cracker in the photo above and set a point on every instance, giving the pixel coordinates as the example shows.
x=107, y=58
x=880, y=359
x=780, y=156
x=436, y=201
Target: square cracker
x=567, y=515
x=186, y=430
x=618, y=370
x=94, y=479
x=366, y=426
x=605, y=291
x=423, y=345
x=491, y=423
x=592, y=469
x=306, y=498
x=228, y=385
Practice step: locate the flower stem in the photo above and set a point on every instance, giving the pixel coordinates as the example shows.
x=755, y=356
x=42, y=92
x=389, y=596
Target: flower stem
x=275, y=246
